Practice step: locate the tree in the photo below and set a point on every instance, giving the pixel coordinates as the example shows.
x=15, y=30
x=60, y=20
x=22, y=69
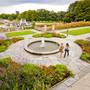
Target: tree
x=80, y=10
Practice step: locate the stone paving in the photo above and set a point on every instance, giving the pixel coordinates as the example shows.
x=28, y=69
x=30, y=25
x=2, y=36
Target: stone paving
x=82, y=84
x=80, y=68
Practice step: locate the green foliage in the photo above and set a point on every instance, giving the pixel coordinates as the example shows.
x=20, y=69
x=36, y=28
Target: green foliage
x=85, y=45
x=80, y=10
x=61, y=69
x=61, y=36
x=77, y=11
x=85, y=57
x=16, y=39
x=30, y=77
x=79, y=31
x=4, y=62
x=33, y=25
x=4, y=44
x=27, y=68
x=37, y=35
x=48, y=35
x=19, y=33
x=8, y=16
x=15, y=87
x=2, y=48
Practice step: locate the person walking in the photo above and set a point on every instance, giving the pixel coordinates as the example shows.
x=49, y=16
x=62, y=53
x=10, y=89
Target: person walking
x=66, y=50
x=61, y=49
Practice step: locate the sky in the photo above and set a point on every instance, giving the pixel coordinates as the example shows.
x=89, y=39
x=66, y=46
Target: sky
x=10, y=6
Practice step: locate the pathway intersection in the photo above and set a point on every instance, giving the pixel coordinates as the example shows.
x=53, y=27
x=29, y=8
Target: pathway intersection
x=80, y=68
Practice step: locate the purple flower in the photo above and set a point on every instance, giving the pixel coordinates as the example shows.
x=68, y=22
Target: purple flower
x=1, y=37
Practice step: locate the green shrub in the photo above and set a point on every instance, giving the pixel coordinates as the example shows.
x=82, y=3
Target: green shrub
x=16, y=39
x=27, y=68
x=85, y=45
x=82, y=42
x=47, y=35
x=85, y=56
x=4, y=44
x=30, y=76
x=61, y=68
x=4, y=62
x=61, y=36
x=2, y=48
x=37, y=35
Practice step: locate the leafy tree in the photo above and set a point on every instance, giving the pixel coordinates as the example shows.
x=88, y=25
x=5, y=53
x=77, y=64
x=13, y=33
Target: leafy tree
x=77, y=11
x=80, y=10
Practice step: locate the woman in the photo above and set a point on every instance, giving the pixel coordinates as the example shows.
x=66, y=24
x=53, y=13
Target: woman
x=61, y=49
x=66, y=50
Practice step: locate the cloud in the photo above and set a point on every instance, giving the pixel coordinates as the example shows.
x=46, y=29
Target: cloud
x=10, y=6
x=50, y=2
x=32, y=6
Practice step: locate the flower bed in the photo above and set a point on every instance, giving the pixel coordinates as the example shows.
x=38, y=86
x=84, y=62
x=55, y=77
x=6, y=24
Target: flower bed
x=49, y=35
x=4, y=44
x=85, y=45
x=72, y=25
x=60, y=25
x=14, y=76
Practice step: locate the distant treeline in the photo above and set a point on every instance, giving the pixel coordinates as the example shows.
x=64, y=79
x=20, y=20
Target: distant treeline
x=77, y=11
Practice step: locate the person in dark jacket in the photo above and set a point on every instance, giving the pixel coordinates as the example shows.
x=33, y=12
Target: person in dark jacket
x=66, y=50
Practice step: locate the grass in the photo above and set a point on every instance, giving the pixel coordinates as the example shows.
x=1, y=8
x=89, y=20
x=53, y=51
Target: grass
x=19, y=33
x=79, y=31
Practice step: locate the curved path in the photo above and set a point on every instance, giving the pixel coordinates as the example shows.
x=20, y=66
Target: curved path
x=17, y=53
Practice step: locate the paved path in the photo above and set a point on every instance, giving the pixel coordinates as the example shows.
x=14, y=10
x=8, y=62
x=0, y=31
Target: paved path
x=80, y=68
x=63, y=30
x=82, y=84
x=17, y=52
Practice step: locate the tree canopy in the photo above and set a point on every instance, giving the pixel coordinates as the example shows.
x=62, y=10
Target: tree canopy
x=77, y=11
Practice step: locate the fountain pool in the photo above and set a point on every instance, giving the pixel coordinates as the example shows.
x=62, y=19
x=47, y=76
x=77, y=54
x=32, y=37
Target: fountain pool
x=42, y=47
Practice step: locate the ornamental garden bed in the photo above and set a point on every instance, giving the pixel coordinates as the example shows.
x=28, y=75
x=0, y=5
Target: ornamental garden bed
x=85, y=45
x=49, y=35
x=14, y=76
x=4, y=44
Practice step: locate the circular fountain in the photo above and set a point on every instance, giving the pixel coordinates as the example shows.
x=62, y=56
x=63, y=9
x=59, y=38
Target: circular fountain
x=42, y=47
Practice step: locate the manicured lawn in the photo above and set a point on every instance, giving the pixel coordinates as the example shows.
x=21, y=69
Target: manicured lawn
x=79, y=31
x=12, y=34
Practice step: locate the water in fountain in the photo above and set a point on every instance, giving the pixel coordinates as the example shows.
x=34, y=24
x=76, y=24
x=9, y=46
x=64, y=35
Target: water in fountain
x=42, y=43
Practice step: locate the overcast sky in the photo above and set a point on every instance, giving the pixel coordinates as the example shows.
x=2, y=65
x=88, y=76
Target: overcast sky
x=10, y=6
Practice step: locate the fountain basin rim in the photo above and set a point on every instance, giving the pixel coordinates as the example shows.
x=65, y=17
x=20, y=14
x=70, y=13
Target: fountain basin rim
x=26, y=48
